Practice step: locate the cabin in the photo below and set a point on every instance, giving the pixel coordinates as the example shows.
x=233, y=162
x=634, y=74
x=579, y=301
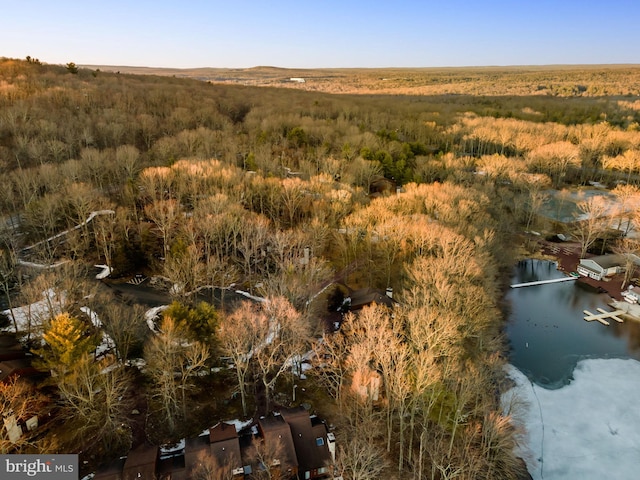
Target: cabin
x=225, y=448
x=313, y=443
x=358, y=299
x=20, y=367
x=279, y=449
x=602, y=266
x=142, y=462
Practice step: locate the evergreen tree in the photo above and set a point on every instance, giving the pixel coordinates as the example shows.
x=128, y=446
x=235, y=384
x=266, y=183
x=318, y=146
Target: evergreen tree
x=67, y=340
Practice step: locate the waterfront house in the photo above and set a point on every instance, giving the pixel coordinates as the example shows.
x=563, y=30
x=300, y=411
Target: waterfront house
x=601, y=266
x=631, y=294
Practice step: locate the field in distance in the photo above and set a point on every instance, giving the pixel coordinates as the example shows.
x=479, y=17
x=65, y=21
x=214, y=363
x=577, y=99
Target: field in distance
x=556, y=80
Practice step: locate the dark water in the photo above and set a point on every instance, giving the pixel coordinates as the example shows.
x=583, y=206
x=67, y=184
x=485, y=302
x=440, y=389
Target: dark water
x=547, y=332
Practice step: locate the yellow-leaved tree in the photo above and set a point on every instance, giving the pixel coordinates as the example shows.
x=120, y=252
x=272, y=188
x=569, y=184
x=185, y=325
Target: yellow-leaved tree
x=67, y=340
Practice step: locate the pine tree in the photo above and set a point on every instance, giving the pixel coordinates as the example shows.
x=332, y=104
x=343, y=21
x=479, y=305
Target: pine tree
x=66, y=342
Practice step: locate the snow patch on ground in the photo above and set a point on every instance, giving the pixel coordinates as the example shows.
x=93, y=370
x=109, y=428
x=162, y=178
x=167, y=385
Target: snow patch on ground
x=252, y=297
x=32, y=316
x=41, y=266
x=152, y=314
x=107, y=344
x=106, y=271
x=589, y=429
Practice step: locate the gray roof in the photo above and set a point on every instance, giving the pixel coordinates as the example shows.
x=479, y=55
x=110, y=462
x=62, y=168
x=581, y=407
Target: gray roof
x=608, y=261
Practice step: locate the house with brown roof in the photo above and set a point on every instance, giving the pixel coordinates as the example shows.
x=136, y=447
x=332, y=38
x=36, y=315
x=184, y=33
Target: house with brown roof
x=358, y=299
x=142, y=463
x=20, y=367
x=275, y=448
x=291, y=444
x=313, y=447
x=225, y=448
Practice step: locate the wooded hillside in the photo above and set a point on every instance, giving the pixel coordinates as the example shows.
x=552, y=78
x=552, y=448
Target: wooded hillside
x=285, y=193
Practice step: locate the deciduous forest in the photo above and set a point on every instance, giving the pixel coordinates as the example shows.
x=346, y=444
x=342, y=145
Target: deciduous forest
x=295, y=196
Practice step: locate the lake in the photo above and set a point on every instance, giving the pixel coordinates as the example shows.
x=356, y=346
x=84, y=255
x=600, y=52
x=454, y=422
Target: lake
x=546, y=330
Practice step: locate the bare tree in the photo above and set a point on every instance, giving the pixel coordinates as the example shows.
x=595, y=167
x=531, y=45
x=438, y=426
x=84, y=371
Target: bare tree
x=252, y=242
x=8, y=271
x=628, y=197
x=629, y=248
x=96, y=397
x=125, y=324
x=183, y=267
x=171, y=364
x=591, y=221
x=105, y=236
x=283, y=332
x=330, y=354
x=293, y=198
x=207, y=468
x=237, y=340
x=19, y=402
x=360, y=459
x=165, y=214
x=535, y=201
x=268, y=455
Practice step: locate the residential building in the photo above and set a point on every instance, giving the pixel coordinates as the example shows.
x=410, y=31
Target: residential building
x=315, y=451
x=602, y=266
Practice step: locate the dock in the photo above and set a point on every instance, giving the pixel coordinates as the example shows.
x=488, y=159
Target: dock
x=543, y=282
x=603, y=315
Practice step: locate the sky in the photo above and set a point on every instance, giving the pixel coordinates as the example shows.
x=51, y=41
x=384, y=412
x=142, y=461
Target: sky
x=321, y=34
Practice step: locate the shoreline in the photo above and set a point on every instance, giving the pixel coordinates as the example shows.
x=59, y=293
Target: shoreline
x=631, y=311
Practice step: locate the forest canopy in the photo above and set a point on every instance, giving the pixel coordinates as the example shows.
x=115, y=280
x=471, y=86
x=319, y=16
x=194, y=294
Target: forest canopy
x=295, y=196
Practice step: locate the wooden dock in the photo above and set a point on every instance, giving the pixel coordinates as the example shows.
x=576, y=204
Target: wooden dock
x=543, y=282
x=603, y=315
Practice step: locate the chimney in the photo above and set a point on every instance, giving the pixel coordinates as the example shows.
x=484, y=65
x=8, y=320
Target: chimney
x=331, y=443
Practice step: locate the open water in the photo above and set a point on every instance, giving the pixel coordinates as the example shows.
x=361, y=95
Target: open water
x=546, y=330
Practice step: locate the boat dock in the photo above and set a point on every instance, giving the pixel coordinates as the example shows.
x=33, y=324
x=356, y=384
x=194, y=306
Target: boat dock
x=603, y=315
x=543, y=282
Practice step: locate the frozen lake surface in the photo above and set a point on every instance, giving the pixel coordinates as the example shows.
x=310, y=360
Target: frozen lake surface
x=577, y=384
